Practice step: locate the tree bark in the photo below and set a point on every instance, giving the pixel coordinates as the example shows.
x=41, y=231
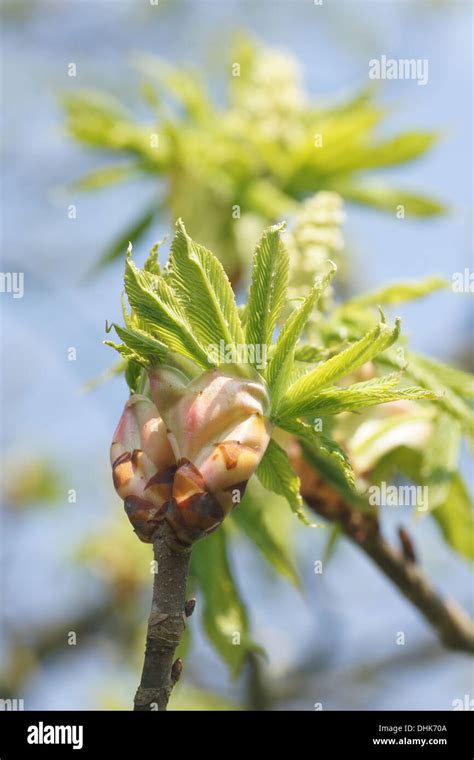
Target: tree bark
x=453, y=626
x=166, y=623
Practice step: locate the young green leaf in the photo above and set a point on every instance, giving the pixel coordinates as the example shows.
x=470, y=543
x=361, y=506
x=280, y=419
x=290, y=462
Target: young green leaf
x=204, y=291
x=224, y=612
x=395, y=293
x=257, y=522
x=142, y=343
x=153, y=299
x=455, y=518
x=104, y=177
x=454, y=387
x=325, y=446
x=461, y=383
x=152, y=264
x=268, y=287
x=300, y=397
x=440, y=459
x=276, y=474
x=386, y=198
x=358, y=396
x=281, y=364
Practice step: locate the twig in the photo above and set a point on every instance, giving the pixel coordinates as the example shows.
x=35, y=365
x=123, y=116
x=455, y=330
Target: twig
x=166, y=623
x=454, y=627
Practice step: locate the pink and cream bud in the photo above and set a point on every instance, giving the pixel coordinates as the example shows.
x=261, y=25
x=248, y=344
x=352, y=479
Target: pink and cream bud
x=143, y=465
x=219, y=430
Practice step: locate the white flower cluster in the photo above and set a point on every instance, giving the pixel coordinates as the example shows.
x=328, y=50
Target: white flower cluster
x=314, y=238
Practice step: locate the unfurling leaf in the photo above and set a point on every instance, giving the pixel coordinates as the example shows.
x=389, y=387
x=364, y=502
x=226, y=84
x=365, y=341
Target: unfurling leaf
x=204, y=291
x=300, y=397
x=276, y=474
x=268, y=287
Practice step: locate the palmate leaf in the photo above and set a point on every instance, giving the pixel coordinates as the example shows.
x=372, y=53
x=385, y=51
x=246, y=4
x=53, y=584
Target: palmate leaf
x=224, y=614
x=278, y=374
x=268, y=287
x=153, y=299
x=204, y=291
x=276, y=474
x=300, y=397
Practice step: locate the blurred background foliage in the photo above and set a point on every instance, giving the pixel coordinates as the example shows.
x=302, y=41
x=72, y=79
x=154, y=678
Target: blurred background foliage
x=249, y=143
x=259, y=155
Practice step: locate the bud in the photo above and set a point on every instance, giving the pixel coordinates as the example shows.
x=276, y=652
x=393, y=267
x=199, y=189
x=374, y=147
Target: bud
x=143, y=465
x=218, y=428
x=184, y=455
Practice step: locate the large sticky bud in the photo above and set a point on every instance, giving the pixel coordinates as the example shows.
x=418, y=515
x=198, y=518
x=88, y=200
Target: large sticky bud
x=143, y=465
x=219, y=430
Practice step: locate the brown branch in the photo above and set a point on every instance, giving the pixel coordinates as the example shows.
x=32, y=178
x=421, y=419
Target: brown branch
x=454, y=627
x=166, y=623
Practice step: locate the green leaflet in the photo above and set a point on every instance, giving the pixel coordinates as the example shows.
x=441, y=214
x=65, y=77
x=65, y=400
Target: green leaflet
x=325, y=447
x=448, y=498
x=181, y=84
x=142, y=343
x=154, y=300
x=281, y=364
x=330, y=470
x=454, y=387
x=395, y=293
x=258, y=523
x=128, y=354
x=360, y=395
x=268, y=287
x=386, y=198
x=300, y=397
x=204, y=291
x=455, y=518
x=133, y=376
x=152, y=264
x=104, y=177
x=397, y=150
x=459, y=382
x=440, y=459
x=310, y=354
x=223, y=611
x=276, y=474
